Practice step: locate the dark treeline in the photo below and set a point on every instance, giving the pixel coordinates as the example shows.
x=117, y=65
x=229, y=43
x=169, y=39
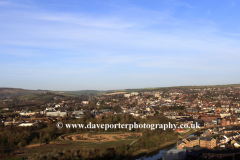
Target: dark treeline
x=119, y=152
x=177, y=107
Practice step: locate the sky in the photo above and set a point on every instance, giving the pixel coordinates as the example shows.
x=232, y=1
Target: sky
x=118, y=44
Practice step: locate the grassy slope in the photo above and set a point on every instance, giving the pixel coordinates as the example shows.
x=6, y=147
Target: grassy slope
x=17, y=92
x=77, y=93
x=29, y=96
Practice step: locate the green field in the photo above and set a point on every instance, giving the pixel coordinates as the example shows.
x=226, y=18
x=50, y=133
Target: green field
x=30, y=96
x=78, y=93
x=70, y=144
x=36, y=96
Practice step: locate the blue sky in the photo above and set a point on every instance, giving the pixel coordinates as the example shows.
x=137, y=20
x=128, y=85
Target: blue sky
x=102, y=45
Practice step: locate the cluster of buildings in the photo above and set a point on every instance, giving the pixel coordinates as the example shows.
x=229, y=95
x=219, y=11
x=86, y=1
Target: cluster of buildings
x=212, y=143
x=208, y=106
x=26, y=122
x=200, y=153
x=207, y=142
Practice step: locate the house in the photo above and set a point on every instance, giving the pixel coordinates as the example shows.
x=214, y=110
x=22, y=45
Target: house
x=134, y=94
x=193, y=110
x=157, y=95
x=85, y=102
x=127, y=95
x=214, y=121
x=56, y=114
x=229, y=121
x=189, y=142
x=207, y=142
x=27, y=113
x=57, y=105
x=225, y=115
x=78, y=114
x=26, y=124
x=168, y=100
x=223, y=139
x=12, y=123
x=209, y=118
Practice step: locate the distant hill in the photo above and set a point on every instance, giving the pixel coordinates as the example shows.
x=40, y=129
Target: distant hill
x=182, y=87
x=8, y=93
x=77, y=93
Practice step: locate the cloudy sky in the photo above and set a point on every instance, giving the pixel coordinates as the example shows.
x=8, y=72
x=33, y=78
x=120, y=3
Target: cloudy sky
x=118, y=44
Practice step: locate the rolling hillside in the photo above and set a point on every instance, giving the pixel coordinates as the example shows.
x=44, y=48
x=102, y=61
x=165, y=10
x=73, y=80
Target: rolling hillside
x=8, y=93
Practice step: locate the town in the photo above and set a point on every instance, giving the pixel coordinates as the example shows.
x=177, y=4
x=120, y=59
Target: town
x=215, y=109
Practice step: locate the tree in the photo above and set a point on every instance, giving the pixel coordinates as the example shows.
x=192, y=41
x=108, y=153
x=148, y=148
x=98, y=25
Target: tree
x=37, y=110
x=198, y=108
x=22, y=143
x=70, y=114
x=61, y=109
x=59, y=119
x=117, y=109
x=218, y=104
x=88, y=114
x=156, y=112
x=64, y=117
x=92, y=103
x=164, y=108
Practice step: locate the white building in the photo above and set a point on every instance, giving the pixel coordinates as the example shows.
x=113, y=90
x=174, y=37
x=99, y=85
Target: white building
x=127, y=95
x=26, y=124
x=85, y=102
x=56, y=114
x=134, y=94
